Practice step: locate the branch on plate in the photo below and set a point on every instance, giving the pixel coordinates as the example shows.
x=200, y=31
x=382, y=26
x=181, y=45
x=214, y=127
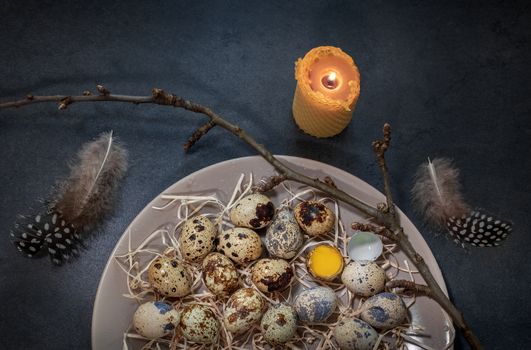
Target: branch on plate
x=409, y=286
x=385, y=215
x=395, y=232
x=160, y=97
x=269, y=183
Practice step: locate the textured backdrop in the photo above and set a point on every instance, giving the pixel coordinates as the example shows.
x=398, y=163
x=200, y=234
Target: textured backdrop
x=452, y=79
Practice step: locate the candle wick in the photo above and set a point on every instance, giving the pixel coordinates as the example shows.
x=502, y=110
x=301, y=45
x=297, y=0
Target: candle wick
x=329, y=80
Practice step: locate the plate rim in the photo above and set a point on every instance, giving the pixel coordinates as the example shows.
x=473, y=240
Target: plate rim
x=300, y=161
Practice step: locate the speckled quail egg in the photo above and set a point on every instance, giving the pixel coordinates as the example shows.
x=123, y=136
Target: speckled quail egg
x=169, y=277
x=284, y=237
x=384, y=311
x=155, y=319
x=220, y=274
x=279, y=324
x=315, y=218
x=315, y=304
x=241, y=245
x=199, y=324
x=253, y=211
x=244, y=308
x=352, y=333
x=363, y=278
x=197, y=238
x=271, y=275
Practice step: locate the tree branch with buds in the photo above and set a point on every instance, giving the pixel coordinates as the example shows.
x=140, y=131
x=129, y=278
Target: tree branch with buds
x=385, y=216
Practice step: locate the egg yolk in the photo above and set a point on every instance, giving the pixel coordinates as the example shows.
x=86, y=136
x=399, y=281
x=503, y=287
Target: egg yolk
x=325, y=261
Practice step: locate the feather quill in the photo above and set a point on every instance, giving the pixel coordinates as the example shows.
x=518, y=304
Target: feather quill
x=91, y=190
x=437, y=191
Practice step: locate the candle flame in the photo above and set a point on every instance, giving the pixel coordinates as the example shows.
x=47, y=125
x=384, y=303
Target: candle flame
x=332, y=77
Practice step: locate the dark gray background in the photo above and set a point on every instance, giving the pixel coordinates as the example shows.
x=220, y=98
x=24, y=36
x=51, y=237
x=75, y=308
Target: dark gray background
x=453, y=79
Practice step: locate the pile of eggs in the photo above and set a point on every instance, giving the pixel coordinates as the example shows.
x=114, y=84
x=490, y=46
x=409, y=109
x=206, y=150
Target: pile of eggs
x=219, y=255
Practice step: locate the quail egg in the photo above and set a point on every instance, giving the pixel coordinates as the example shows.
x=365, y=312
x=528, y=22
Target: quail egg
x=220, y=274
x=352, y=333
x=199, y=324
x=279, y=324
x=284, y=237
x=315, y=218
x=384, y=311
x=155, y=319
x=169, y=277
x=241, y=245
x=271, y=275
x=363, y=278
x=197, y=238
x=253, y=211
x=315, y=304
x=244, y=308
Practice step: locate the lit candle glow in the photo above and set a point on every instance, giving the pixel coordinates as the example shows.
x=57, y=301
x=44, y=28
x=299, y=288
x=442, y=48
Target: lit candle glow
x=328, y=86
x=329, y=81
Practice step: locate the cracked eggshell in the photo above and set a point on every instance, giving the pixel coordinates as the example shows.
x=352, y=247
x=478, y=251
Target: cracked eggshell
x=199, y=324
x=197, y=238
x=253, y=211
x=155, y=319
x=279, y=324
x=271, y=275
x=244, y=308
x=241, y=245
x=315, y=304
x=169, y=277
x=220, y=274
x=352, y=333
x=315, y=218
x=365, y=278
x=384, y=311
x=284, y=237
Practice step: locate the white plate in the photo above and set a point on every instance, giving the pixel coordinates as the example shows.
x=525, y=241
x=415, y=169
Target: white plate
x=113, y=313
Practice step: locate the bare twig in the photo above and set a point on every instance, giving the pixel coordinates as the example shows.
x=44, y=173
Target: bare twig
x=269, y=183
x=385, y=216
x=162, y=98
x=396, y=233
x=410, y=286
x=196, y=136
x=380, y=147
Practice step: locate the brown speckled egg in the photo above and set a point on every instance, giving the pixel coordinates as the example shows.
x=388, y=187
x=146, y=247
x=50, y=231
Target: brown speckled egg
x=155, y=319
x=220, y=274
x=363, y=278
x=244, y=308
x=352, y=333
x=241, y=245
x=279, y=324
x=253, y=211
x=384, y=311
x=284, y=237
x=271, y=275
x=169, y=277
x=197, y=238
x=199, y=324
x=315, y=218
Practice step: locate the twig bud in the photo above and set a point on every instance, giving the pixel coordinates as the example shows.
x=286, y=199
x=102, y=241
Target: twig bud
x=102, y=90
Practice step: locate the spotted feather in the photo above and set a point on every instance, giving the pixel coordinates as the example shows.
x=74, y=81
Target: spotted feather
x=479, y=229
x=46, y=233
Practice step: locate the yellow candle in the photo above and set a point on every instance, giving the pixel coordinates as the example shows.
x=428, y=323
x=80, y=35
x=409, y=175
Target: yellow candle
x=328, y=87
